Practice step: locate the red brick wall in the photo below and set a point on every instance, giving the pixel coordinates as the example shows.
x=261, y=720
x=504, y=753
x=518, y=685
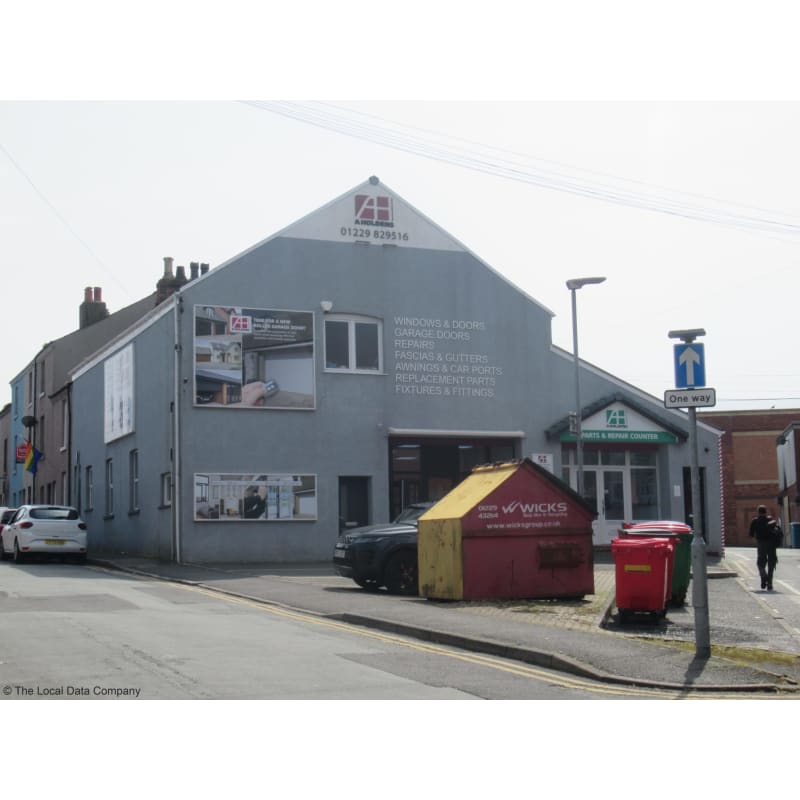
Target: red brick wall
x=749, y=465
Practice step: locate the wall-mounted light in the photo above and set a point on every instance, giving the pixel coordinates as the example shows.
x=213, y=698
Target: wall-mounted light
x=326, y=306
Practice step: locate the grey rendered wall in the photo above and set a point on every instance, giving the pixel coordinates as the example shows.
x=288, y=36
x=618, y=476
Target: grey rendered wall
x=147, y=532
x=347, y=434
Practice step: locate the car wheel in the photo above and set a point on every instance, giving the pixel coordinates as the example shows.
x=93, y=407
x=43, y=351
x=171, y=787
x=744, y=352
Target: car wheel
x=400, y=573
x=18, y=556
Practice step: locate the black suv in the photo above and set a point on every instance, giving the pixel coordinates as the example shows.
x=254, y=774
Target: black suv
x=382, y=555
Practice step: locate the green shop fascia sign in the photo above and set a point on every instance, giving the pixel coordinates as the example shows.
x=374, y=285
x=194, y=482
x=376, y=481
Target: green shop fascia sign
x=625, y=437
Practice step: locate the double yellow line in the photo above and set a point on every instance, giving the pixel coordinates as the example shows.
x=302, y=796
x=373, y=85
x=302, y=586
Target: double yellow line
x=509, y=667
x=517, y=669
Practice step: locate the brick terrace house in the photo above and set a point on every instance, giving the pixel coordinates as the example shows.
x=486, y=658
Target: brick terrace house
x=749, y=466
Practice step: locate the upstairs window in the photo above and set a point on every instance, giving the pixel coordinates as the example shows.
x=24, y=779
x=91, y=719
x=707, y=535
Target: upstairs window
x=353, y=344
x=166, y=489
x=64, y=424
x=109, y=511
x=89, y=489
x=133, y=474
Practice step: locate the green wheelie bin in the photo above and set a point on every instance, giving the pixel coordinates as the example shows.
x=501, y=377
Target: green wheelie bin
x=682, y=535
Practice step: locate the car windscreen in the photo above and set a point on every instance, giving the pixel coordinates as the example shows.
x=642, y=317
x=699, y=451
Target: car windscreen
x=53, y=513
x=411, y=513
x=7, y=515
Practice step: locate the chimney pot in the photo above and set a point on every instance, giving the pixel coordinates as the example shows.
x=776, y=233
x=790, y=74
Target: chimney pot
x=203, y=269
x=167, y=266
x=180, y=274
x=193, y=268
x=98, y=294
x=87, y=294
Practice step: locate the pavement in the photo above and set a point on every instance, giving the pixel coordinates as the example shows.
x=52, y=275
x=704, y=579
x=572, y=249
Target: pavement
x=752, y=649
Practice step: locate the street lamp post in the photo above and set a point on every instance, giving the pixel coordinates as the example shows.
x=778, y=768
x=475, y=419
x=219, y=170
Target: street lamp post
x=573, y=285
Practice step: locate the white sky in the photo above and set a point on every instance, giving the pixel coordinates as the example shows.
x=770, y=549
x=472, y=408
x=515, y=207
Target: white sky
x=95, y=194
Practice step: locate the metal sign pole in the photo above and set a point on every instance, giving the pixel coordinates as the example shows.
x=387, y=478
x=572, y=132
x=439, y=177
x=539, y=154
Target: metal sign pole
x=689, y=374
x=702, y=635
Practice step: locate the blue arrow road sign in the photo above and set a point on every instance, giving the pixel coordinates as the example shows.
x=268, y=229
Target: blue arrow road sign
x=690, y=365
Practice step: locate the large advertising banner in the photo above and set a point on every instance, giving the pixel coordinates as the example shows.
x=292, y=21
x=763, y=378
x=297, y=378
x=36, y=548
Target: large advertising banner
x=253, y=357
x=269, y=497
x=118, y=395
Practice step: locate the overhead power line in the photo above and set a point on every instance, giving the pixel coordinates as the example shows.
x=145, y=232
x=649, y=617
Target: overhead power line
x=526, y=169
x=63, y=221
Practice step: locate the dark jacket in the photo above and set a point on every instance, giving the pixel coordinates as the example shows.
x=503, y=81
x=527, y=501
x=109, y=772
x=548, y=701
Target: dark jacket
x=764, y=528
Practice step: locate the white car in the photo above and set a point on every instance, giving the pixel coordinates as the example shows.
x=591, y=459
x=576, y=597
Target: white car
x=45, y=529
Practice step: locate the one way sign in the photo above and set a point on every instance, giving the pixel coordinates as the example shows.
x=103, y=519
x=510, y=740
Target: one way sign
x=690, y=365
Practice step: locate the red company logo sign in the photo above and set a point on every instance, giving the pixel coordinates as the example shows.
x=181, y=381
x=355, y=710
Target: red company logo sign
x=239, y=324
x=374, y=211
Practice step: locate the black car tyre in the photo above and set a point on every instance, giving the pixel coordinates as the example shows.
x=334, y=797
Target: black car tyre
x=18, y=557
x=400, y=574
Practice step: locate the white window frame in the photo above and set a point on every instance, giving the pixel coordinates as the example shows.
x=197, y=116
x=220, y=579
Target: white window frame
x=166, y=489
x=352, y=320
x=65, y=424
x=89, y=488
x=569, y=473
x=109, y=509
x=133, y=464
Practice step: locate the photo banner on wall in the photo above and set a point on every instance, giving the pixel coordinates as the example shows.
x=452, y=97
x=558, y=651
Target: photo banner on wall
x=253, y=358
x=269, y=497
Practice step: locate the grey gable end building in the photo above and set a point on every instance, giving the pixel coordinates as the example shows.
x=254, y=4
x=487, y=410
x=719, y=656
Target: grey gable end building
x=355, y=362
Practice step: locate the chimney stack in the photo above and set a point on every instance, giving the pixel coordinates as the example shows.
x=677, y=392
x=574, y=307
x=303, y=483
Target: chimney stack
x=92, y=309
x=167, y=284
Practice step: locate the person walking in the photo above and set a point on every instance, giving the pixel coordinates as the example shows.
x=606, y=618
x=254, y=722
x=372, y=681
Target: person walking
x=767, y=533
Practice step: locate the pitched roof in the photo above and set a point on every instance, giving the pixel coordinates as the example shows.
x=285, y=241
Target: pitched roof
x=562, y=424
x=69, y=350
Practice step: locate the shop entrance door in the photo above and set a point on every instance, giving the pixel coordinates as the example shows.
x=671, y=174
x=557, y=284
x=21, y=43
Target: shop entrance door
x=353, y=502
x=605, y=490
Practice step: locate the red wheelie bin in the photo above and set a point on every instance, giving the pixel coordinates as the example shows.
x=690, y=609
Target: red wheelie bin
x=643, y=572
x=681, y=534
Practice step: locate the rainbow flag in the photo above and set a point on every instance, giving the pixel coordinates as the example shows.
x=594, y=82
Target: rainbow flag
x=32, y=459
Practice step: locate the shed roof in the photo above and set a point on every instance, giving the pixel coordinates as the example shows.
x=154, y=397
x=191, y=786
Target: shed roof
x=484, y=480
